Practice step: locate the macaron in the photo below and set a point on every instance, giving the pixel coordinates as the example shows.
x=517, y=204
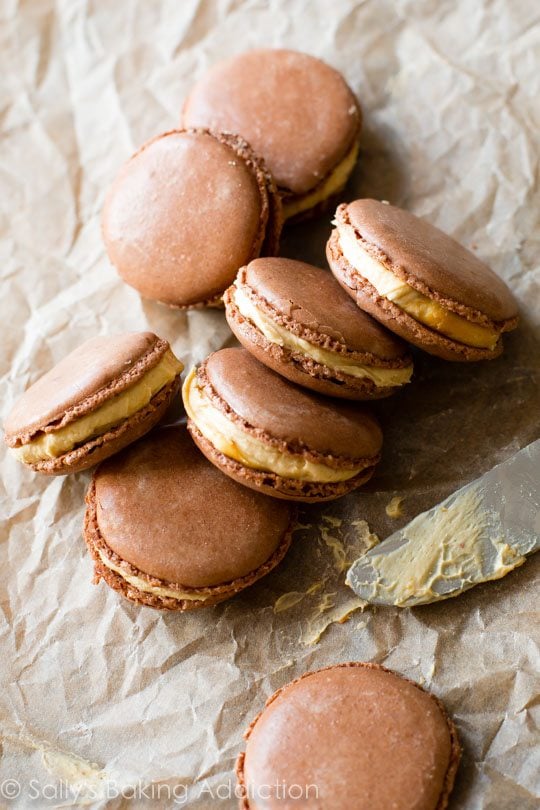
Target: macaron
x=167, y=530
x=275, y=437
x=185, y=212
x=419, y=282
x=99, y=398
x=297, y=112
x=297, y=320
x=351, y=735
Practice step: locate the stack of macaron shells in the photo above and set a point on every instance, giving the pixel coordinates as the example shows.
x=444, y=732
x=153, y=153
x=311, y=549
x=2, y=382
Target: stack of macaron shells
x=193, y=219
x=146, y=526
x=267, y=135
x=297, y=112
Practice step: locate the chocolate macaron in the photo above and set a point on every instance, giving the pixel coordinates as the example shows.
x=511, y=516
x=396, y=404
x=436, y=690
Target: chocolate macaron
x=154, y=538
x=298, y=321
x=99, y=398
x=273, y=436
x=419, y=282
x=297, y=112
x=353, y=735
x=185, y=212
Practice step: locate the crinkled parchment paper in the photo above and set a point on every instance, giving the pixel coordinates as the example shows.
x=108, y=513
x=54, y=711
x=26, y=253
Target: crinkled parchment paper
x=100, y=697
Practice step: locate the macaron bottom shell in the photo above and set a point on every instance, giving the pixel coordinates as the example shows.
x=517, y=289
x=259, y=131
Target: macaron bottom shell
x=297, y=112
x=314, y=466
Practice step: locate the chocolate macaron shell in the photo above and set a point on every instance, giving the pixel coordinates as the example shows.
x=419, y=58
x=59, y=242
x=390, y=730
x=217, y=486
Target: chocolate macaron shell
x=185, y=212
x=294, y=110
x=351, y=730
x=287, y=414
x=431, y=261
x=147, y=514
x=307, y=303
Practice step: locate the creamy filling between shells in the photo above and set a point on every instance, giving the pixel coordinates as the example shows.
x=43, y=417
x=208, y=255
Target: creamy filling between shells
x=333, y=183
x=141, y=584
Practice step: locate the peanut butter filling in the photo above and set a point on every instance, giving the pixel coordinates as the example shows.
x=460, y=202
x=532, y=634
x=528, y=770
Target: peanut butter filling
x=158, y=590
x=333, y=183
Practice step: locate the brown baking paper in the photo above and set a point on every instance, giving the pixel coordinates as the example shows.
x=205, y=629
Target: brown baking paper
x=106, y=704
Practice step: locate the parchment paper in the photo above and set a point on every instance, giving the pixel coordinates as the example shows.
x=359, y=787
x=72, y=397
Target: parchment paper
x=101, y=696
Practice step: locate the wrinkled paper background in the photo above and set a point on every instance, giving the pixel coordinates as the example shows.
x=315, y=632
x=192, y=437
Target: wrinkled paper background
x=99, y=695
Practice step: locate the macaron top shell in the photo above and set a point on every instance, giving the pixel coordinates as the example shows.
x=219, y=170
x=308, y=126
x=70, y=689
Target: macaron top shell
x=294, y=110
x=429, y=260
x=99, y=369
x=166, y=510
x=309, y=297
x=184, y=213
x=352, y=731
x=283, y=412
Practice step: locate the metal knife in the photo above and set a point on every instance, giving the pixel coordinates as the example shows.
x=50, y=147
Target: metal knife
x=479, y=533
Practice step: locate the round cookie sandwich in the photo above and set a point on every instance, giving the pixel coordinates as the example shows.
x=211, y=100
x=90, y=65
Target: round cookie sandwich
x=297, y=112
x=155, y=540
x=273, y=436
x=99, y=398
x=419, y=282
x=297, y=320
x=351, y=735
x=185, y=212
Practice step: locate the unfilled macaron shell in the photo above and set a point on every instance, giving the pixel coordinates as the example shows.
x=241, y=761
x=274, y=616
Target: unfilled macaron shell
x=298, y=427
x=185, y=212
x=148, y=514
x=352, y=730
x=309, y=330
x=296, y=112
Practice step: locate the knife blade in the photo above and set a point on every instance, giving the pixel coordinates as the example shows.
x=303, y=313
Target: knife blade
x=479, y=533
